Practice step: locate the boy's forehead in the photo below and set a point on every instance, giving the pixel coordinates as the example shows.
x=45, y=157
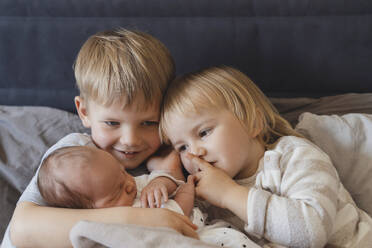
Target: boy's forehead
x=142, y=107
x=138, y=104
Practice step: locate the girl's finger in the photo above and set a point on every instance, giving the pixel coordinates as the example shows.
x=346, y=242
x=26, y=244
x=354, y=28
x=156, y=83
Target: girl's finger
x=202, y=165
x=198, y=176
x=191, y=179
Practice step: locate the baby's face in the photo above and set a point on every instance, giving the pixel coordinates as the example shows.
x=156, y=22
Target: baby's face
x=111, y=185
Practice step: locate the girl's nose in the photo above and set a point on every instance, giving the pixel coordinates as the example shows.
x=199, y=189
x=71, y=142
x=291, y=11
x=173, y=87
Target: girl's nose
x=200, y=152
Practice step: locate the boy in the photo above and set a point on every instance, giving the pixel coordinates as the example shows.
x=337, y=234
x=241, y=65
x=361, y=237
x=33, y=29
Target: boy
x=121, y=76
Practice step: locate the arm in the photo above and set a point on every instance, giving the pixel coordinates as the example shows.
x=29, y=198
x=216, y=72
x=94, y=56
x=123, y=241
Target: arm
x=305, y=201
x=54, y=224
x=166, y=161
x=297, y=206
x=185, y=195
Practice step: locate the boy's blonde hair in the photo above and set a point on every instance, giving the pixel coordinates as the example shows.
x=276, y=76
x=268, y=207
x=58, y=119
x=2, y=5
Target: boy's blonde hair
x=225, y=88
x=121, y=65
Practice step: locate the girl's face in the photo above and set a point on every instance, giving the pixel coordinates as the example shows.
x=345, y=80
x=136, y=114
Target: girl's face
x=129, y=134
x=219, y=138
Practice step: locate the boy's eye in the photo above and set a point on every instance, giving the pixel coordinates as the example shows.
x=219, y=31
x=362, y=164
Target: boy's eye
x=150, y=123
x=112, y=123
x=204, y=132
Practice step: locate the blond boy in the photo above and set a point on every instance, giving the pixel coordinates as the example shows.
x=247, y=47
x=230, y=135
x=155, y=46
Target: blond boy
x=121, y=76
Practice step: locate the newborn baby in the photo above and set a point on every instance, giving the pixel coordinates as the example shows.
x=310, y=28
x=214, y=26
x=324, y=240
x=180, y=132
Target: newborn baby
x=88, y=177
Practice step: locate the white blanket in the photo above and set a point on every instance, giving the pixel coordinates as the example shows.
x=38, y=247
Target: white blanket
x=94, y=235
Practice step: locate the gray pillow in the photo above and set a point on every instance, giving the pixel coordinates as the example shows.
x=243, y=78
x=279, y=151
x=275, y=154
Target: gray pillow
x=347, y=139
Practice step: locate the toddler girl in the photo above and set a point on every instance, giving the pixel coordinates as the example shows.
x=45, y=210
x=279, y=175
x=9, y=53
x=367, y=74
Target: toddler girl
x=248, y=159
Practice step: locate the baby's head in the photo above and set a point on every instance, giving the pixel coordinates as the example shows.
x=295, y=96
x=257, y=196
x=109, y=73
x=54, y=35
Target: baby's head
x=122, y=76
x=85, y=177
x=207, y=99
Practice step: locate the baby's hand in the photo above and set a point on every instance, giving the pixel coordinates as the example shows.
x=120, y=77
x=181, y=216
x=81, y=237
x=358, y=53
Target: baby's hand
x=188, y=187
x=155, y=193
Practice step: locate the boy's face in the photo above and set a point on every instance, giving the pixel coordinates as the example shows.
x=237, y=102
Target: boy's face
x=108, y=184
x=129, y=134
x=217, y=137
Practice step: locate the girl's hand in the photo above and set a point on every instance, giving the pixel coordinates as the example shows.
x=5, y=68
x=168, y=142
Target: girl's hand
x=212, y=183
x=219, y=189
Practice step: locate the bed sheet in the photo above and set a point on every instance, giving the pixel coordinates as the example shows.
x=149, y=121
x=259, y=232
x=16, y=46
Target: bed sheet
x=27, y=132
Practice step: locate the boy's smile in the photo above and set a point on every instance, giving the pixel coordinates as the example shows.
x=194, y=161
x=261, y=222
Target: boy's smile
x=126, y=155
x=130, y=134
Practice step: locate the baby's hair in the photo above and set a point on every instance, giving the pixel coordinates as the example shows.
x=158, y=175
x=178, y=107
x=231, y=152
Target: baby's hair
x=224, y=88
x=51, y=179
x=119, y=65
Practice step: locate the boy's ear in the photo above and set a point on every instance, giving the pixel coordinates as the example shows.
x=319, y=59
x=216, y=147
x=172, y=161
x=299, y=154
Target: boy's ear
x=81, y=107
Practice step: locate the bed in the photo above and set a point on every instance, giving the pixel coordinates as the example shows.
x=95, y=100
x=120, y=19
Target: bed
x=312, y=58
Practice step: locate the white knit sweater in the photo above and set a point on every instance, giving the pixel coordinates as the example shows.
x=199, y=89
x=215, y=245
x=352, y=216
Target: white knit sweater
x=298, y=200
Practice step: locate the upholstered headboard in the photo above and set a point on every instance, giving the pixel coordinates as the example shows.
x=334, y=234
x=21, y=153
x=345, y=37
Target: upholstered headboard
x=289, y=47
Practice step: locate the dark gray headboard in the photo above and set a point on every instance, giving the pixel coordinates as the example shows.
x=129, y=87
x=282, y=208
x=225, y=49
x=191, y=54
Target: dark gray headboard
x=289, y=47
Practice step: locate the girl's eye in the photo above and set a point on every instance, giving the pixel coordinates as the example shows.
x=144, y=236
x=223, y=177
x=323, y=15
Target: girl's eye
x=204, y=132
x=181, y=149
x=112, y=123
x=150, y=123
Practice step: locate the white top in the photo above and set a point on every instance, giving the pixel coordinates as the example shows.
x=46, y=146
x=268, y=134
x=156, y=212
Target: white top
x=298, y=200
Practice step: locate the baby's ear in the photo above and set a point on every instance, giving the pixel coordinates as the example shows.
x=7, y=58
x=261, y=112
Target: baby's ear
x=81, y=108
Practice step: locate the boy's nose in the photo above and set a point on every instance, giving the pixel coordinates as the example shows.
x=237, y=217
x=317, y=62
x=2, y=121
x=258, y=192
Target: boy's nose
x=130, y=137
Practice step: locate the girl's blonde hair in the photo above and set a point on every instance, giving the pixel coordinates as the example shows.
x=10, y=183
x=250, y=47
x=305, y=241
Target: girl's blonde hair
x=121, y=64
x=225, y=88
